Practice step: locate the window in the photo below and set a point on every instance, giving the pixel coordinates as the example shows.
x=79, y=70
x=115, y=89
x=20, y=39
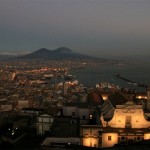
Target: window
x=91, y=116
x=73, y=121
x=73, y=113
x=45, y=119
x=109, y=138
x=122, y=138
x=128, y=122
x=40, y=119
x=138, y=138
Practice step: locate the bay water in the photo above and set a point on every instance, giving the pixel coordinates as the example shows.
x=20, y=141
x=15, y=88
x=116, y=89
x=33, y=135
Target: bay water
x=137, y=72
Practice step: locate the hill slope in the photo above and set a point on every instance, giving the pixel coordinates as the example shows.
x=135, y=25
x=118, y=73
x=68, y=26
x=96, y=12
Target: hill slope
x=57, y=54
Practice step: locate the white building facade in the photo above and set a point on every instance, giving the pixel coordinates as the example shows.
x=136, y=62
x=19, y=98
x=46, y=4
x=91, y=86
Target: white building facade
x=44, y=123
x=128, y=125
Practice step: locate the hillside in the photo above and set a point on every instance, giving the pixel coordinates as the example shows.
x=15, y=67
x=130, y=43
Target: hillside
x=57, y=54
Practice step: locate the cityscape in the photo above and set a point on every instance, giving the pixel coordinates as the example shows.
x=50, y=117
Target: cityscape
x=74, y=74
x=42, y=100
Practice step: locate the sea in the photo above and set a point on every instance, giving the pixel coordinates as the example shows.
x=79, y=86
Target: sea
x=136, y=72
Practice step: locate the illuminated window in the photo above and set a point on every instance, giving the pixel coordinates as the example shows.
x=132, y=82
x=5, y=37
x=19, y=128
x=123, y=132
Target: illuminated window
x=91, y=117
x=109, y=138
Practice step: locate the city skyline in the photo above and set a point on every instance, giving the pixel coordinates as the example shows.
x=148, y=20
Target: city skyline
x=93, y=27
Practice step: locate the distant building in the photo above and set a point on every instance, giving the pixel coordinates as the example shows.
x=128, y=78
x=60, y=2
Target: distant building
x=55, y=142
x=21, y=122
x=65, y=88
x=23, y=104
x=6, y=107
x=44, y=124
x=64, y=126
x=65, y=130
x=36, y=111
x=79, y=110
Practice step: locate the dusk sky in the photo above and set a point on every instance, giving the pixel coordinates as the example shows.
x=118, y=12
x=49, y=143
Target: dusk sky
x=93, y=27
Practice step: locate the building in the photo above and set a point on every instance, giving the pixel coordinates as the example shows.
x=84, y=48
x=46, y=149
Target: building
x=128, y=125
x=23, y=104
x=120, y=122
x=79, y=110
x=65, y=130
x=7, y=107
x=65, y=126
x=128, y=115
x=44, y=123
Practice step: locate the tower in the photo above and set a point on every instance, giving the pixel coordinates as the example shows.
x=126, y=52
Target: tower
x=65, y=87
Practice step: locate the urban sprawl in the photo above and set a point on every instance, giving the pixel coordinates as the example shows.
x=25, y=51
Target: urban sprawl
x=44, y=106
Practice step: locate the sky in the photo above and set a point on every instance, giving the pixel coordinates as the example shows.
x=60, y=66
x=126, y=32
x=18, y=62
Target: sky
x=94, y=27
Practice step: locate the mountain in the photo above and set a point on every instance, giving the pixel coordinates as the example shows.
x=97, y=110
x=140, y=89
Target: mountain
x=63, y=50
x=6, y=57
x=59, y=53
x=42, y=53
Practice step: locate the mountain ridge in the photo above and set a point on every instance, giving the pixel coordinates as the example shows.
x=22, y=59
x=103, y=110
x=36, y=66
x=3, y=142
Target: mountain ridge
x=59, y=53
